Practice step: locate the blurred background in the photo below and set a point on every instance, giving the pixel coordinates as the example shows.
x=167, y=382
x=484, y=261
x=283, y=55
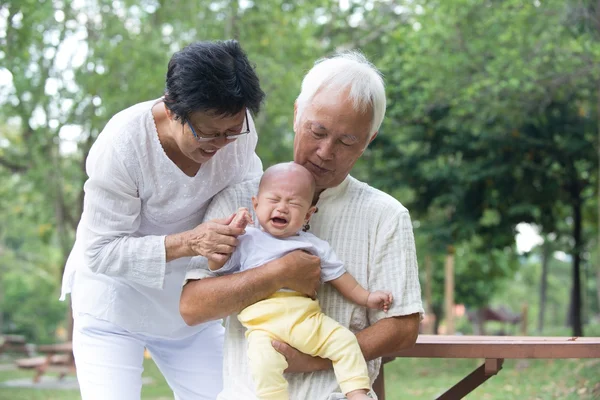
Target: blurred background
x=491, y=140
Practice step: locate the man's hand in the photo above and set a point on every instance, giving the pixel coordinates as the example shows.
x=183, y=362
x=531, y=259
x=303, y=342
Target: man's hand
x=380, y=300
x=301, y=271
x=300, y=362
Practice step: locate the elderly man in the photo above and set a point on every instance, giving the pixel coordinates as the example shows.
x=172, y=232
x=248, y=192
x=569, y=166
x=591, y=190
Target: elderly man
x=337, y=114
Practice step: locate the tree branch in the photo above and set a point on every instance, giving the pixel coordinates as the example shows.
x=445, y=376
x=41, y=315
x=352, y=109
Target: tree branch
x=13, y=167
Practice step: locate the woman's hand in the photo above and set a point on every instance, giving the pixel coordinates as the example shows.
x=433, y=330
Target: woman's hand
x=301, y=271
x=215, y=239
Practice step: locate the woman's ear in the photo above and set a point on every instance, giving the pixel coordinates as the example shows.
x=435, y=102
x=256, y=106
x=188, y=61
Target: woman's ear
x=169, y=113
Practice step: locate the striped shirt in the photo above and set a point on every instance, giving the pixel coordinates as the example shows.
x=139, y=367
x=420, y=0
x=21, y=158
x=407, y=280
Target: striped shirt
x=371, y=233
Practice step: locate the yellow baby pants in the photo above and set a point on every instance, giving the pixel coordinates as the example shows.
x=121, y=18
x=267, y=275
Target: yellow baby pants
x=298, y=320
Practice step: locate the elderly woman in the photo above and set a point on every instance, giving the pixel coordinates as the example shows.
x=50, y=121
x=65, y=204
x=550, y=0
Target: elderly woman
x=152, y=173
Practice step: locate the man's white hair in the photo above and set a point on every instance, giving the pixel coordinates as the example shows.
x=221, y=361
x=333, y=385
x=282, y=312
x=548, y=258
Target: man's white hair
x=347, y=71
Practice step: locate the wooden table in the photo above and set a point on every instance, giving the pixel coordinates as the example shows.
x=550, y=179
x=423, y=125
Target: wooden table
x=493, y=350
x=57, y=358
x=14, y=343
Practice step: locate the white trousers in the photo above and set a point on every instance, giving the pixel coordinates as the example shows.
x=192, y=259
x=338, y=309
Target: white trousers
x=109, y=361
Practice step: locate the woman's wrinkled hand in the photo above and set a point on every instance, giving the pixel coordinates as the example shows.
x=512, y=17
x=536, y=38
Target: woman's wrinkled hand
x=215, y=239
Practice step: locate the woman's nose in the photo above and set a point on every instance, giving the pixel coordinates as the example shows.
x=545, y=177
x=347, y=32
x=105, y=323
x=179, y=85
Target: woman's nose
x=221, y=141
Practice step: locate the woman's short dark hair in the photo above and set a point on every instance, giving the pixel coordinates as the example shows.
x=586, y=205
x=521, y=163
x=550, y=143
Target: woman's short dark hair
x=214, y=77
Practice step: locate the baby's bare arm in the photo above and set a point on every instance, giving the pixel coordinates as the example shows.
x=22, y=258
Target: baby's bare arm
x=351, y=289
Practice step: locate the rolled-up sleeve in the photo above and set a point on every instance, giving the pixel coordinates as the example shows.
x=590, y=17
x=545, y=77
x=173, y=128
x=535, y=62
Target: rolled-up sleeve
x=112, y=217
x=394, y=267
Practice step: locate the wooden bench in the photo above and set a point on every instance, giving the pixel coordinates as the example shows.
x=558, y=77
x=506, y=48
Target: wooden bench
x=493, y=350
x=14, y=344
x=58, y=358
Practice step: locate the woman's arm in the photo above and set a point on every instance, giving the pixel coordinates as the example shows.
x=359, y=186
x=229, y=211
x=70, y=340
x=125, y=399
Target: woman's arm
x=112, y=210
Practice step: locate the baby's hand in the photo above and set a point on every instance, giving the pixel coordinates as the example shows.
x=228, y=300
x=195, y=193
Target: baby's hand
x=380, y=300
x=242, y=218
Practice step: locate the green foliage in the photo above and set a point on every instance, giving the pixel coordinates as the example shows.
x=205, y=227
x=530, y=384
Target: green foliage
x=491, y=118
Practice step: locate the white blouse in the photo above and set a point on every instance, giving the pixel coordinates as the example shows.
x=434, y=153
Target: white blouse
x=135, y=196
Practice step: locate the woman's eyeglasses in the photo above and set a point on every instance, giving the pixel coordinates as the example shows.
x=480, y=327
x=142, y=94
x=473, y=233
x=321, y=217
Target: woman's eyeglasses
x=201, y=137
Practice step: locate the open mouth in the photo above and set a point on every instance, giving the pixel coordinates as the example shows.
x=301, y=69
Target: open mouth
x=278, y=221
x=207, y=152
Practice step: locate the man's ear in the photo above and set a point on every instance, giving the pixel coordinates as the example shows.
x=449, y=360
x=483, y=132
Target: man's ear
x=295, y=114
x=373, y=137
x=309, y=213
x=254, y=202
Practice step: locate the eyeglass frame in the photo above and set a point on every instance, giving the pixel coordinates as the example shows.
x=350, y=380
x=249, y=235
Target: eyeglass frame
x=219, y=136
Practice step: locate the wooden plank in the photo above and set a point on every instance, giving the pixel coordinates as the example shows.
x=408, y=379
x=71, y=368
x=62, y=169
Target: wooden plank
x=515, y=347
x=492, y=365
x=469, y=383
x=56, y=348
x=502, y=339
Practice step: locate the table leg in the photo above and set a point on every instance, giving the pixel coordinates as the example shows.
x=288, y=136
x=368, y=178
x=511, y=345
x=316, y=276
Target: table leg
x=473, y=380
x=379, y=385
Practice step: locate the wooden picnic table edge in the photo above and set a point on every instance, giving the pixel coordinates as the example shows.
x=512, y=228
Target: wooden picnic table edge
x=508, y=347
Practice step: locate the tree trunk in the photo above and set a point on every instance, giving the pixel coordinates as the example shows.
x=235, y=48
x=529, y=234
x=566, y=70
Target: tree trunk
x=576, y=291
x=449, y=291
x=428, y=292
x=598, y=118
x=63, y=228
x=438, y=310
x=231, y=28
x=546, y=254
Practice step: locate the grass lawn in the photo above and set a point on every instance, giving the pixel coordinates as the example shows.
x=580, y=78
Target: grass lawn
x=412, y=379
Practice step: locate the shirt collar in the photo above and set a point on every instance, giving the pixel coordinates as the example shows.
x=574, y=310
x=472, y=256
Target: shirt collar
x=335, y=191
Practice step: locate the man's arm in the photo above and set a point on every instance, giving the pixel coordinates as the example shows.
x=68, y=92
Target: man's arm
x=217, y=297
x=214, y=298
x=395, y=269
x=389, y=335
x=385, y=337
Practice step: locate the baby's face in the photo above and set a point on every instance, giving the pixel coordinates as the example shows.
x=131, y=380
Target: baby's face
x=283, y=206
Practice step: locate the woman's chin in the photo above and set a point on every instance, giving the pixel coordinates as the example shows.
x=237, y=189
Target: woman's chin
x=200, y=156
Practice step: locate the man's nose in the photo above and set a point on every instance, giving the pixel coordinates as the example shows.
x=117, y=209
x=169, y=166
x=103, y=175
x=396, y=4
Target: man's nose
x=325, y=150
